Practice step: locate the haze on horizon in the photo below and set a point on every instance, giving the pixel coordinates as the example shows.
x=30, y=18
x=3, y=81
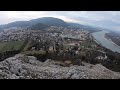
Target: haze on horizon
x=103, y=19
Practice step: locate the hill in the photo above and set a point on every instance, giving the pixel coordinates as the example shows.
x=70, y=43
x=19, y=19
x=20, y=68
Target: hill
x=86, y=27
x=17, y=24
x=50, y=21
x=75, y=25
x=39, y=26
x=46, y=20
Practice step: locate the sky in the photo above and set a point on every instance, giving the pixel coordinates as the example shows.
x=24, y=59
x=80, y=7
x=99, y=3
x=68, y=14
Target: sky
x=104, y=19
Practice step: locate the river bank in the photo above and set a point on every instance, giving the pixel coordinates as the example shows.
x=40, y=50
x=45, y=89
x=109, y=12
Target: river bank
x=109, y=44
x=115, y=37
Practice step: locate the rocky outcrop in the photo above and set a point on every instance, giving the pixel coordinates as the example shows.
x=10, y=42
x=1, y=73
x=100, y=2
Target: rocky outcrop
x=28, y=67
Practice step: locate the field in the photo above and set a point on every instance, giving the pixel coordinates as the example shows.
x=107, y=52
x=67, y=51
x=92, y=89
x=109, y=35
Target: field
x=9, y=46
x=33, y=52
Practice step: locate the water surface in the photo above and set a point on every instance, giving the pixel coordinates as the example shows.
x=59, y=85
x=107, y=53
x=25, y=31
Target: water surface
x=100, y=38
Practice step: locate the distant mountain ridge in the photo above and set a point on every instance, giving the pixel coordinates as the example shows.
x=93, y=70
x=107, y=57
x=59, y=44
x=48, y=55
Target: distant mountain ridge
x=17, y=24
x=45, y=21
x=86, y=27
x=50, y=21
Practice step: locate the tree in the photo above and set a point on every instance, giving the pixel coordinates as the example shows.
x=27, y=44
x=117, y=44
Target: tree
x=1, y=56
x=46, y=46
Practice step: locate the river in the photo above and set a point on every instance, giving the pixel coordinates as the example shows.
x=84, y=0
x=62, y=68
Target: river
x=100, y=38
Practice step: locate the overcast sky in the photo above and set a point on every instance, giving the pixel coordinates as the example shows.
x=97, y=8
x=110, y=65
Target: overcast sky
x=105, y=19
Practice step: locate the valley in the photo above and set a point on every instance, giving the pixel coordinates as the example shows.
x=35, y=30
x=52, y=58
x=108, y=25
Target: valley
x=66, y=44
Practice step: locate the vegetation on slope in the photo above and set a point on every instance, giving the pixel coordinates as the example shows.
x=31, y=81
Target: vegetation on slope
x=9, y=46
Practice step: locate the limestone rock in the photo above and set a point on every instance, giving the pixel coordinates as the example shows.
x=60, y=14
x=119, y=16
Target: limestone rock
x=28, y=67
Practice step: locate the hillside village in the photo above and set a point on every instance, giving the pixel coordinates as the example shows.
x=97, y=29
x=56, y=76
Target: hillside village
x=69, y=43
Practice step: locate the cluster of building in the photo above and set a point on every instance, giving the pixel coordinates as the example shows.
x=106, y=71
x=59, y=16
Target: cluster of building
x=54, y=37
x=14, y=34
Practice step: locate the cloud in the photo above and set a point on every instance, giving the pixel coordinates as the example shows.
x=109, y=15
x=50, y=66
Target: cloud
x=107, y=19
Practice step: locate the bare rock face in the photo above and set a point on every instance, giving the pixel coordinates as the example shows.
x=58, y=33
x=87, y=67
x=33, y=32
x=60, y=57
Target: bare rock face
x=28, y=67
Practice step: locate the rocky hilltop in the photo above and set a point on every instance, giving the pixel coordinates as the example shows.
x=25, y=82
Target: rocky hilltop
x=28, y=67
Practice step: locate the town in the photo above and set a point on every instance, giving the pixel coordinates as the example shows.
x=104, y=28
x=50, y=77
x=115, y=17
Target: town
x=70, y=41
